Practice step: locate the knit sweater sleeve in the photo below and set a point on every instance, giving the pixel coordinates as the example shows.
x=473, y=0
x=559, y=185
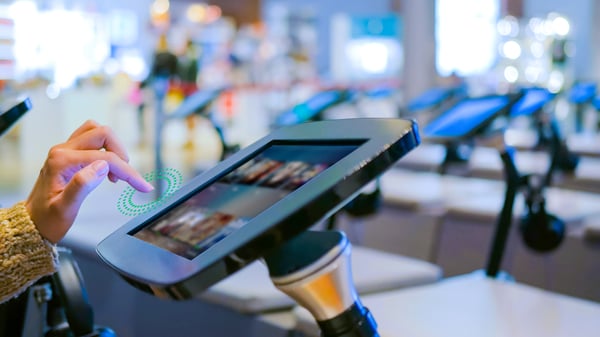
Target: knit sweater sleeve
x=25, y=256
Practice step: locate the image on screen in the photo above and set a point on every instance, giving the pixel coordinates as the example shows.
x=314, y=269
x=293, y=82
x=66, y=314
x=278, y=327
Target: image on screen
x=465, y=117
x=221, y=208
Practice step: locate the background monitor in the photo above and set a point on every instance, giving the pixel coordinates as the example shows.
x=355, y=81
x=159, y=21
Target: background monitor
x=310, y=109
x=467, y=117
x=533, y=100
x=582, y=92
x=196, y=103
x=429, y=98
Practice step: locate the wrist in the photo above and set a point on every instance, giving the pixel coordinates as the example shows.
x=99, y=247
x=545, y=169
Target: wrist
x=41, y=229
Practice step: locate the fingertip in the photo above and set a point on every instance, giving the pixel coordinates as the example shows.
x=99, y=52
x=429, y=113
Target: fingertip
x=146, y=187
x=139, y=183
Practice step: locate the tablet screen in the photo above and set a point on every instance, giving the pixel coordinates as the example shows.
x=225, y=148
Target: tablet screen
x=465, y=117
x=217, y=210
x=429, y=98
x=533, y=100
x=582, y=92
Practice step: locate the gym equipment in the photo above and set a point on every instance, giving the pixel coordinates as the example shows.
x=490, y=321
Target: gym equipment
x=257, y=204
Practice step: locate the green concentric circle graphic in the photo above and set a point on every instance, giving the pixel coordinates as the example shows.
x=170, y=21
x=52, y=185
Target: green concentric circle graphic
x=128, y=206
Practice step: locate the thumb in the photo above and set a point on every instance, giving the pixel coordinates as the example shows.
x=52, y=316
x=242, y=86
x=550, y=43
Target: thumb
x=84, y=182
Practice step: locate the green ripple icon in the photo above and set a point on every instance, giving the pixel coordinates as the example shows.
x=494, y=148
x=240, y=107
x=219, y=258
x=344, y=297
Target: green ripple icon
x=127, y=203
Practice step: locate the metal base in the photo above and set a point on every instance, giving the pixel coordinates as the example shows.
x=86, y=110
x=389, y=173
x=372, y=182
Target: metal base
x=315, y=270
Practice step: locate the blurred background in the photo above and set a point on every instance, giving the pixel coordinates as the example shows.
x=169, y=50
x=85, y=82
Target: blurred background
x=185, y=83
x=90, y=59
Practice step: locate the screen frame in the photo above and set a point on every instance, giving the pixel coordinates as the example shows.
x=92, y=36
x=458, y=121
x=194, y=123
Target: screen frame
x=166, y=274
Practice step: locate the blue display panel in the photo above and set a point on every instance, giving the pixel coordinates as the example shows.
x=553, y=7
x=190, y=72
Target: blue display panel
x=582, y=92
x=310, y=109
x=466, y=117
x=429, y=98
x=532, y=101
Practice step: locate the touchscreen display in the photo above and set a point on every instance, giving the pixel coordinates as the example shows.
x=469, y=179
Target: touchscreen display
x=219, y=209
x=429, y=98
x=582, y=92
x=465, y=117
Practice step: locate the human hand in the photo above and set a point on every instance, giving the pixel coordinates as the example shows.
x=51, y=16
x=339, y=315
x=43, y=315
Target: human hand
x=71, y=171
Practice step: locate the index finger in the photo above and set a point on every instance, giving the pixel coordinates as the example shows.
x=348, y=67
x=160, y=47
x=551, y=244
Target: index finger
x=96, y=138
x=117, y=167
x=121, y=170
x=86, y=126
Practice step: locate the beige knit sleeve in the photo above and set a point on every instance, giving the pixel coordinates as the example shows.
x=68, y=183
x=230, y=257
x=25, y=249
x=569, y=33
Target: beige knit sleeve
x=25, y=256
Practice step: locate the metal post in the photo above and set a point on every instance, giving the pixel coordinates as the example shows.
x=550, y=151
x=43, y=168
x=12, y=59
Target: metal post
x=160, y=91
x=513, y=182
